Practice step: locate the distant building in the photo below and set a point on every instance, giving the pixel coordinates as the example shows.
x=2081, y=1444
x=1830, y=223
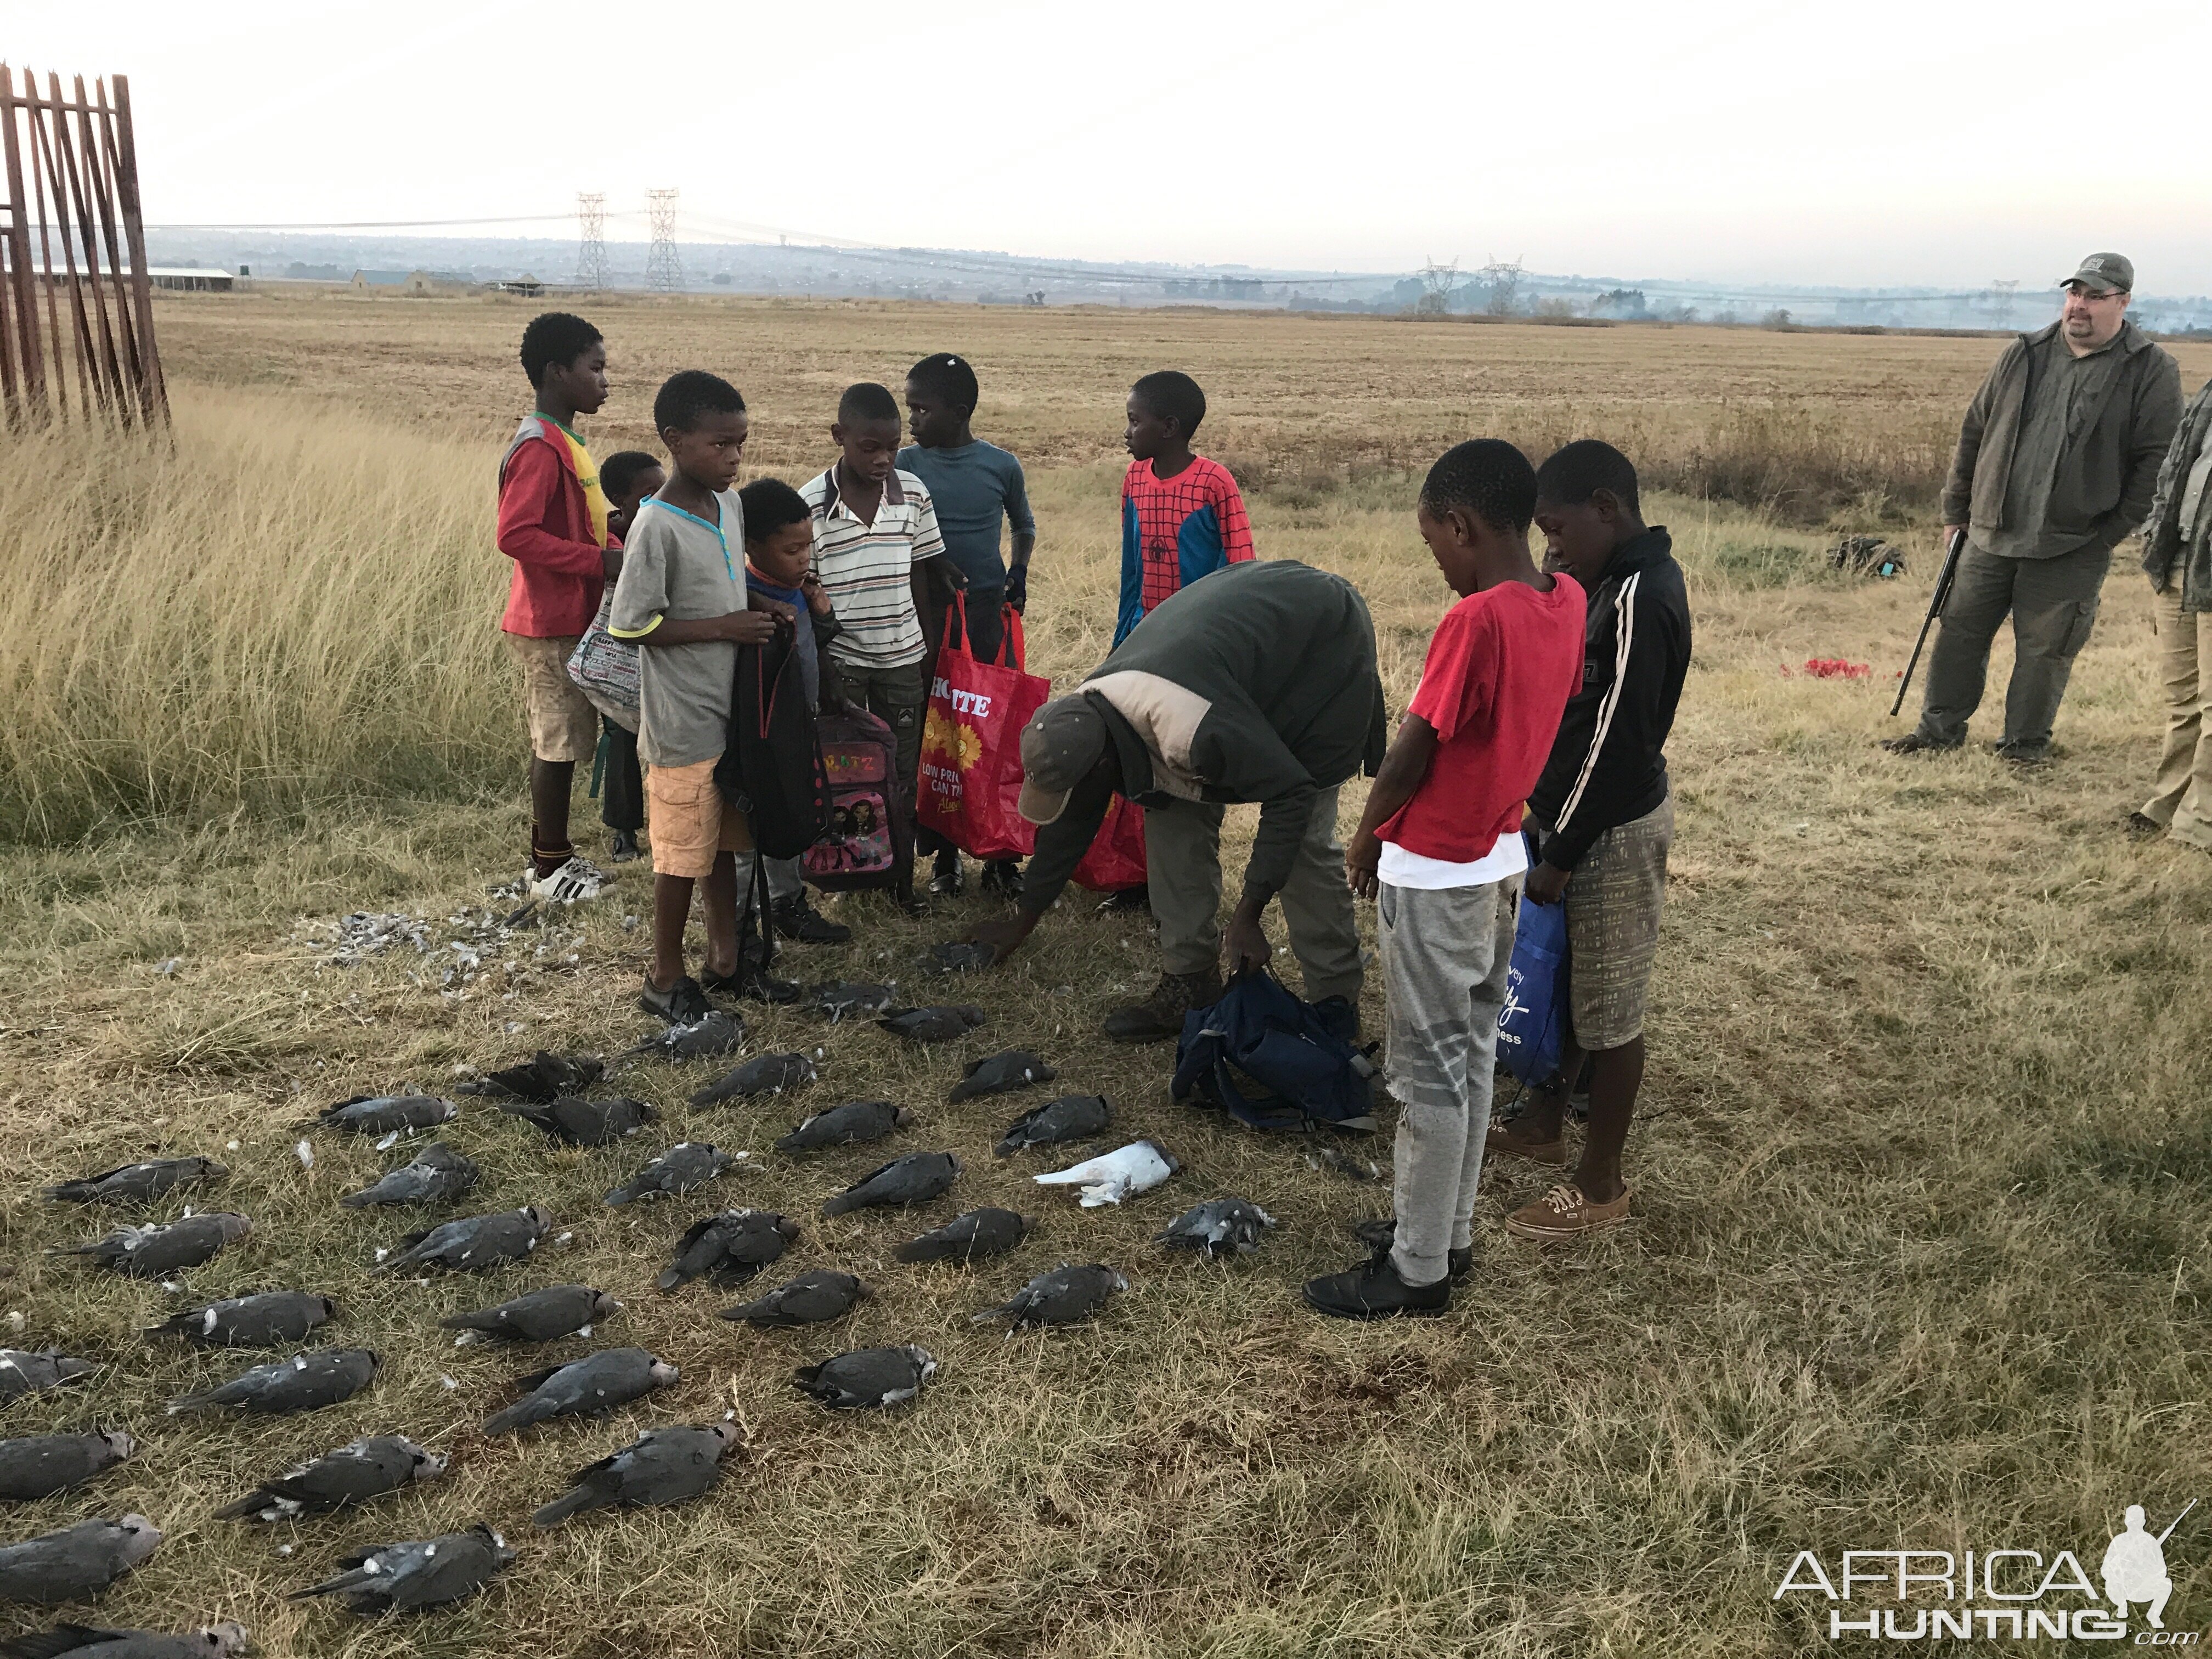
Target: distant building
x=416, y=283
x=524, y=284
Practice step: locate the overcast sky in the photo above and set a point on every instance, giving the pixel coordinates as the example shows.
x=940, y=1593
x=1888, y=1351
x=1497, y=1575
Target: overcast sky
x=1886, y=142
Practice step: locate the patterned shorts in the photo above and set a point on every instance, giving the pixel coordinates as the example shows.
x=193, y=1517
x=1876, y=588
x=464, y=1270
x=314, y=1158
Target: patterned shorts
x=1613, y=928
x=563, y=724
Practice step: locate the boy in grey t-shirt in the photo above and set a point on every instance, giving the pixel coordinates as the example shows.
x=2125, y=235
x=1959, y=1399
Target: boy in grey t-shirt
x=681, y=598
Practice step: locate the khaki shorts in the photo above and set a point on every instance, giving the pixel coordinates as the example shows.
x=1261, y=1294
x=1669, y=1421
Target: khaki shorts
x=563, y=725
x=1613, y=928
x=690, y=822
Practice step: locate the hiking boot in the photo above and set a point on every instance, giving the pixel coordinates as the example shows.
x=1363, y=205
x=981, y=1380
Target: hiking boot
x=797, y=918
x=1382, y=1234
x=577, y=879
x=1913, y=744
x=2021, y=754
x=682, y=1004
x=1160, y=1015
x=1374, y=1291
x=751, y=983
x=1515, y=1141
x=2141, y=826
x=1563, y=1214
x=1003, y=877
x=1339, y=1017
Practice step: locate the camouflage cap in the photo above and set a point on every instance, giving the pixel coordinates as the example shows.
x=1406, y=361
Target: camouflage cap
x=1061, y=743
x=2104, y=271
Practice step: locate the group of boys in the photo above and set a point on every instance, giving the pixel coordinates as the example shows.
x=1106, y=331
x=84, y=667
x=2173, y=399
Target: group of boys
x=1530, y=762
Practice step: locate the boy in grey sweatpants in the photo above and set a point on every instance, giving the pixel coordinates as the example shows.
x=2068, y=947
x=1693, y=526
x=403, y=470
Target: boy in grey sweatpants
x=1439, y=847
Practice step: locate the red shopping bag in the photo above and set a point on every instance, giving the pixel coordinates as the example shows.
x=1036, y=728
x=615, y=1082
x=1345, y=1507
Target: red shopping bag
x=971, y=745
x=1116, y=859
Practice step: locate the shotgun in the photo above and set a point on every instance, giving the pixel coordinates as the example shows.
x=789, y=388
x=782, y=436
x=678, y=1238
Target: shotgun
x=1934, y=610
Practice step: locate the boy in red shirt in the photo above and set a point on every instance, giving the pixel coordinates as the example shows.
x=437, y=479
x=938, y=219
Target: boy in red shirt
x=553, y=524
x=1182, y=516
x=1439, y=845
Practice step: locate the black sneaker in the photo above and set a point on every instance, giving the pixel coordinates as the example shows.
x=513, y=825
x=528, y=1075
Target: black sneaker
x=751, y=983
x=1127, y=898
x=682, y=1004
x=797, y=918
x=1913, y=744
x=1374, y=1291
x=950, y=881
x=623, y=848
x=1380, y=1235
x=1003, y=877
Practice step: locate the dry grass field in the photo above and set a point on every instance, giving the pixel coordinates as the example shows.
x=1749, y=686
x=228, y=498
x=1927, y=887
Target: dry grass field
x=1924, y=1252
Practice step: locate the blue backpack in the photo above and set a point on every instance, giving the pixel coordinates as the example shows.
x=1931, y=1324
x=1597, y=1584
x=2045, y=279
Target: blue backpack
x=1259, y=1035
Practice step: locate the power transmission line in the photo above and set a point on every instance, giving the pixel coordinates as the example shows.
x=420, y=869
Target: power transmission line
x=664, y=271
x=591, y=240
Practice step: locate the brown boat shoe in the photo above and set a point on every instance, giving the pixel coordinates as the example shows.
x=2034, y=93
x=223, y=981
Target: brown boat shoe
x=1503, y=1138
x=1564, y=1212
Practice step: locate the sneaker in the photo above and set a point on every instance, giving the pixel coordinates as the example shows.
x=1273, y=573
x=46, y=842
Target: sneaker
x=1160, y=1015
x=1374, y=1291
x=682, y=1004
x=572, y=882
x=751, y=983
x=1127, y=898
x=1564, y=1212
x=797, y=919
x=1913, y=744
x=1382, y=1234
x=623, y=848
x=1003, y=877
x=1513, y=1141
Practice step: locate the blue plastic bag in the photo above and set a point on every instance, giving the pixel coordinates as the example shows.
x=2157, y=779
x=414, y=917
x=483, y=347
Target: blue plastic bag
x=1533, y=1024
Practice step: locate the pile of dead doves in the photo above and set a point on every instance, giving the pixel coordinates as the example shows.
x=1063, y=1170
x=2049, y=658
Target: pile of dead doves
x=552, y=1093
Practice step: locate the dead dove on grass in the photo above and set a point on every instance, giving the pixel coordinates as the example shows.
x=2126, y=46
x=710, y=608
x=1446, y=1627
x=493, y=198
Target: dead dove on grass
x=1219, y=1227
x=915, y=1179
x=687, y=1164
x=719, y=1032
x=422, y=1572
x=543, y=1077
x=383, y=1114
x=437, y=1174
x=219, y=1640
x=1072, y=1117
x=138, y=1183
x=661, y=1465
x=541, y=1316
x=1017, y=1068
x=961, y=956
x=971, y=1237
x=1326, y=1156
x=583, y=1123
x=473, y=1243
x=848, y=1125
x=1066, y=1296
x=849, y=998
x=352, y=1473
x=23, y=1372
x=764, y=1074
x=158, y=1251
x=936, y=1024
x=729, y=1247
x=867, y=1378
x=812, y=1298
x=1112, y=1177
x=77, y=1562
x=273, y=1319
x=305, y=1383
x=597, y=1383
x=40, y=1465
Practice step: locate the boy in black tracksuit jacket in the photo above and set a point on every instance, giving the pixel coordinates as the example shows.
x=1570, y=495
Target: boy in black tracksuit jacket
x=1605, y=818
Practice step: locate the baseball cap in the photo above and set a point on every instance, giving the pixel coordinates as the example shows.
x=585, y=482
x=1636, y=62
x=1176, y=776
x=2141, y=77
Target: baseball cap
x=1062, y=741
x=2104, y=271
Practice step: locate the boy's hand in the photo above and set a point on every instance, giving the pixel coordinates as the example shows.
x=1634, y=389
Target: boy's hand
x=749, y=627
x=1362, y=860
x=817, y=597
x=610, y=562
x=1547, y=884
x=1017, y=586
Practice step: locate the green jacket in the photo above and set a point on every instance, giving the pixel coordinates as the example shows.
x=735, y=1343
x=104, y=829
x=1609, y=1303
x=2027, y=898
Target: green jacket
x=2114, y=441
x=2170, y=548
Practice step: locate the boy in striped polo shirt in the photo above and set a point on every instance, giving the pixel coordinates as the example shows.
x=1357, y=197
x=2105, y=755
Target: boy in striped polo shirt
x=876, y=545
x=1182, y=516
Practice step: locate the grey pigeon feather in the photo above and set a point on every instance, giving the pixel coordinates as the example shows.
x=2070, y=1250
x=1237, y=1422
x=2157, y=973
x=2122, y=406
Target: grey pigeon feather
x=352, y=1473
x=138, y=1183
x=915, y=1179
x=597, y=1383
x=1219, y=1227
x=1071, y=1117
x=1017, y=1068
x=380, y=1114
x=848, y=1125
x=849, y=998
x=661, y=1465
x=814, y=1298
x=272, y=1319
x=583, y=1123
x=23, y=1372
x=76, y=1562
x=729, y=1248
x=540, y=1316
x=687, y=1164
x=719, y=1032
x=543, y=1077
x=867, y=1378
x=969, y=1237
x=305, y=1383
x=763, y=1074
x=941, y=1023
x=157, y=1252
x=437, y=1174
x=40, y=1465
x=1066, y=1296
x=422, y=1572
x=473, y=1243
x=219, y=1640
